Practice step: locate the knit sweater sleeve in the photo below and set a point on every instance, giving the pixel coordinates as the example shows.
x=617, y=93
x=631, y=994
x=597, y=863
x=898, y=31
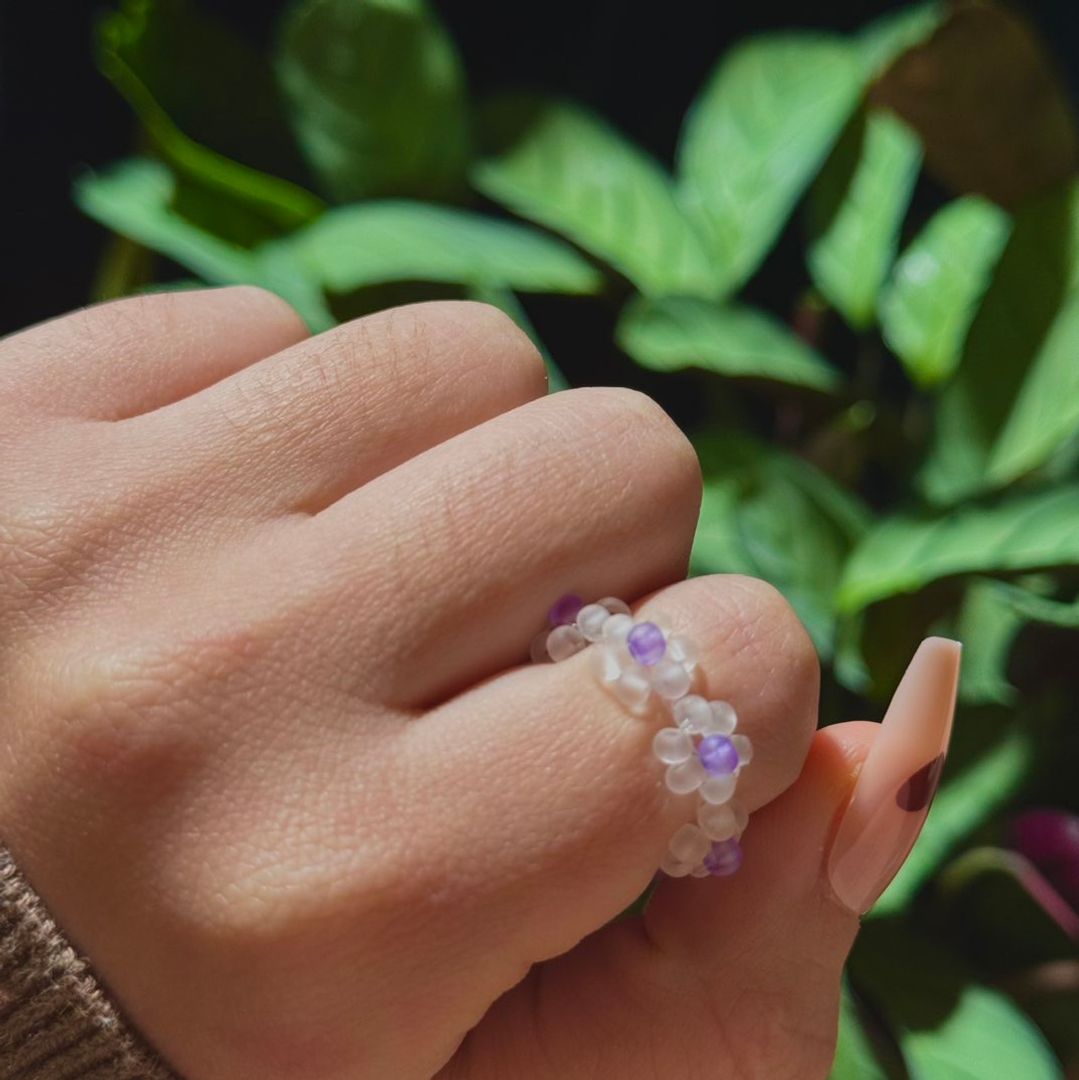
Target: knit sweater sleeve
x=57, y=1021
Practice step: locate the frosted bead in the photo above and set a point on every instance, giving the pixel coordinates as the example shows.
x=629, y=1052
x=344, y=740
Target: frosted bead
x=685, y=777
x=537, y=651
x=646, y=643
x=632, y=689
x=564, y=641
x=615, y=606
x=692, y=713
x=617, y=628
x=564, y=610
x=590, y=620
x=672, y=746
x=718, y=755
x=741, y=816
x=743, y=747
x=670, y=679
x=673, y=867
x=724, y=858
x=680, y=648
x=605, y=664
x=717, y=822
x=724, y=718
x=718, y=789
x=689, y=844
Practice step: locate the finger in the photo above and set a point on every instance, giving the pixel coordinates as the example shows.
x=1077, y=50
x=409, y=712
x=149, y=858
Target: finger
x=594, y=490
x=304, y=427
x=549, y=791
x=117, y=360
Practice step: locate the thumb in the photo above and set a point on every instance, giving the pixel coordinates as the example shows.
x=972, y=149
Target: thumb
x=776, y=936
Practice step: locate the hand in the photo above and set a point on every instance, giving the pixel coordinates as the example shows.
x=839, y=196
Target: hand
x=269, y=755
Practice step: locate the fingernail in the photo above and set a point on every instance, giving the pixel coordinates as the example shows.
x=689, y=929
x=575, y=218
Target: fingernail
x=898, y=780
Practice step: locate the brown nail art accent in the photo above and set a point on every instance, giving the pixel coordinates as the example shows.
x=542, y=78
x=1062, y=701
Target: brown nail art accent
x=917, y=793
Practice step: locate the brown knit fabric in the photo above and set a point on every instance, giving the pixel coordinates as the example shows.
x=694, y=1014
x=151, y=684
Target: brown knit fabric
x=56, y=1022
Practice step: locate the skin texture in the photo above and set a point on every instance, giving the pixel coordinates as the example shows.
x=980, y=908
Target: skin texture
x=270, y=754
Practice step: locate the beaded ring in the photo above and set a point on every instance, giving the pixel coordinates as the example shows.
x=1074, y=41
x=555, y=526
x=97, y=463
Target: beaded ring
x=639, y=662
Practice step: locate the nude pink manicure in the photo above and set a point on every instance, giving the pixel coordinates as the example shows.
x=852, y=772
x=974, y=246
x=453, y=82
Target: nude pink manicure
x=898, y=780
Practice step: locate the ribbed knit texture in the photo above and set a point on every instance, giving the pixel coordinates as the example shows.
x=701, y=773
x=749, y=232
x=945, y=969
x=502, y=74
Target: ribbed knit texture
x=56, y=1022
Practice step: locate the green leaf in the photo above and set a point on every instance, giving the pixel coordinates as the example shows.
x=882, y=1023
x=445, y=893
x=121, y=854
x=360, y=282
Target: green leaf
x=949, y=1027
x=756, y=136
x=566, y=168
x=854, y=1057
x=856, y=209
x=902, y=554
x=396, y=240
x=505, y=300
x=776, y=517
x=133, y=199
x=376, y=96
x=938, y=282
x=963, y=802
x=681, y=332
x=884, y=40
x=222, y=128
x=987, y=625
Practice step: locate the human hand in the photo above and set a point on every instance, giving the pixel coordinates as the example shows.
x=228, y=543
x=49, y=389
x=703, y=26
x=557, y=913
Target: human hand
x=269, y=755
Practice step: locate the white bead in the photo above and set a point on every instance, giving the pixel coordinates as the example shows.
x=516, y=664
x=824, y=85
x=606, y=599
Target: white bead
x=741, y=816
x=590, y=620
x=700, y=871
x=617, y=628
x=686, y=776
x=692, y=713
x=718, y=789
x=605, y=664
x=672, y=746
x=537, y=651
x=670, y=679
x=689, y=844
x=717, y=822
x=632, y=689
x=673, y=867
x=564, y=641
x=615, y=606
x=744, y=747
x=724, y=718
x=680, y=648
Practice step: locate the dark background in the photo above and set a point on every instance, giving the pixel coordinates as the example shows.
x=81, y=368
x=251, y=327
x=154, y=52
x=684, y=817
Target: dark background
x=639, y=64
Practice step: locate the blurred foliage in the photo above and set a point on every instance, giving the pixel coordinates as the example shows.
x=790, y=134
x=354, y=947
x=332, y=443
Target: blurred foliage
x=894, y=442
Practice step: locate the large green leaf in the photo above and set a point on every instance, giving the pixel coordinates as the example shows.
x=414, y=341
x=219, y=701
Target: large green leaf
x=884, y=40
x=209, y=103
x=856, y=209
x=963, y=802
x=776, y=517
x=564, y=167
x=376, y=96
x=902, y=554
x=398, y=240
x=680, y=332
x=755, y=137
x=134, y=199
x=927, y=307
x=1012, y=402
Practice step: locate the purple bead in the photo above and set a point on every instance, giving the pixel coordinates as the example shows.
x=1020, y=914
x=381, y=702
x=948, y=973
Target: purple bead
x=724, y=858
x=564, y=610
x=646, y=643
x=718, y=755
